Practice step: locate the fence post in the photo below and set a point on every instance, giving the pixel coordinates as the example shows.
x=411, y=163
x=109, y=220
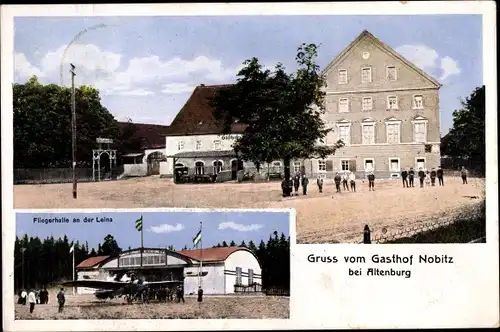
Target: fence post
x=367, y=235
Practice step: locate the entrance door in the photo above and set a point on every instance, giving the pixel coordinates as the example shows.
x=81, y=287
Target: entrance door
x=236, y=165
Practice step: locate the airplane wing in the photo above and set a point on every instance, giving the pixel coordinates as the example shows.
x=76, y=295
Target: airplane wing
x=157, y=284
x=97, y=284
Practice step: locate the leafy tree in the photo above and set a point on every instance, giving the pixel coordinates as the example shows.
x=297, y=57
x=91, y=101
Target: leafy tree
x=109, y=246
x=42, y=124
x=129, y=141
x=276, y=107
x=467, y=136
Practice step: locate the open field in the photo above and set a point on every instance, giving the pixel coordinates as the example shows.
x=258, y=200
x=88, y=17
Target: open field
x=321, y=218
x=232, y=307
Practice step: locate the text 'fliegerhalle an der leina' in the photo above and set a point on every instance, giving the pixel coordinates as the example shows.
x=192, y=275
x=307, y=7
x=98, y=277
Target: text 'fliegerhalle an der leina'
x=378, y=259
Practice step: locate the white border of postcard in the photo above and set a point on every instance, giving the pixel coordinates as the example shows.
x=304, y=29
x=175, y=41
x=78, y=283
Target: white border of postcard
x=451, y=297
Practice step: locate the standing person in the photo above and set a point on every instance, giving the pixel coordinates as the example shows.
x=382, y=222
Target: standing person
x=200, y=294
x=404, y=176
x=24, y=297
x=427, y=178
x=305, y=182
x=411, y=177
x=180, y=294
x=296, y=183
x=319, y=182
x=32, y=300
x=337, y=180
x=61, y=299
x=371, y=181
x=352, y=180
x=440, y=176
x=463, y=172
x=433, y=177
x=345, y=184
x=421, y=176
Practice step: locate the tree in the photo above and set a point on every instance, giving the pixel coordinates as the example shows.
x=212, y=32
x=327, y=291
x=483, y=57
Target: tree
x=224, y=243
x=232, y=244
x=109, y=246
x=42, y=124
x=467, y=136
x=129, y=141
x=276, y=107
x=243, y=244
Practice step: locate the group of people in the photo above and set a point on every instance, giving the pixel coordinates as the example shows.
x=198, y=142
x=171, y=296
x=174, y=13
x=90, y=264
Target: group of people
x=290, y=186
x=428, y=177
x=39, y=297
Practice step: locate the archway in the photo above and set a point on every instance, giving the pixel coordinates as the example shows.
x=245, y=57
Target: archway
x=236, y=165
x=105, y=166
x=103, y=163
x=199, y=168
x=154, y=160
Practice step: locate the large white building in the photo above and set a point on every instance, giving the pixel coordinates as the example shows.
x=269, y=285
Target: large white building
x=223, y=270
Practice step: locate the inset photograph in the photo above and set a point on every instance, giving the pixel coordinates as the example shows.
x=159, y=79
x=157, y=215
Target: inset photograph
x=152, y=265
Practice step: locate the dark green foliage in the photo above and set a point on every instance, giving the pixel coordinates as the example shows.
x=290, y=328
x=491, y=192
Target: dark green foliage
x=467, y=136
x=277, y=107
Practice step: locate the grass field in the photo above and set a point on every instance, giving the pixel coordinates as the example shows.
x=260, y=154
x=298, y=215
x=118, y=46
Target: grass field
x=321, y=218
x=232, y=307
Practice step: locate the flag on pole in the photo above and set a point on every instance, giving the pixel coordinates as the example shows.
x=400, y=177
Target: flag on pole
x=72, y=248
x=197, y=238
x=138, y=224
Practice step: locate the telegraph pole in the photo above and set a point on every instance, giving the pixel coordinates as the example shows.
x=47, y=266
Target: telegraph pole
x=73, y=127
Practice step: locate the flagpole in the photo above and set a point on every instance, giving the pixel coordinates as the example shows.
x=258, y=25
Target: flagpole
x=201, y=253
x=142, y=241
x=73, y=266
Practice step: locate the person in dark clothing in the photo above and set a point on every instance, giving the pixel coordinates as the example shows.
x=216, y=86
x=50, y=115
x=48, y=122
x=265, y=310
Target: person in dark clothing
x=404, y=176
x=440, y=176
x=61, y=299
x=421, y=176
x=337, y=180
x=411, y=177
x=319, y=182
x=463, y=172
x=345, y=183
x=296, y=183
x=180, y=294
x=305, y=182
x=371, y=181
x=286, y=186
x=433, y=177
x=200, y=294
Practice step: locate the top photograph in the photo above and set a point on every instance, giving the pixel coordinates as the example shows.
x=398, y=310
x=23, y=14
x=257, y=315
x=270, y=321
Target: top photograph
x=371, y=127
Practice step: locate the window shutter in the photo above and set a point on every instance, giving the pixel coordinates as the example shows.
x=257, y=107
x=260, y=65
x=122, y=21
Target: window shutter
x=352, y=165
x=329, y=165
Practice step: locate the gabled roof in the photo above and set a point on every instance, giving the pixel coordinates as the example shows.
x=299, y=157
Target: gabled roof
x=383, y=46
x=91, y=262
x=217, y=254
x=152, y=135
x=196, y=116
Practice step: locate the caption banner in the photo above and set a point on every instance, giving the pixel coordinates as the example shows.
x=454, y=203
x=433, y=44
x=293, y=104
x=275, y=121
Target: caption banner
x=65, y=220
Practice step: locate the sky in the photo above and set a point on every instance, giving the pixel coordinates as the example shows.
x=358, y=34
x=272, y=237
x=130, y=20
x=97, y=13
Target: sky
x=160, y=229
x=147, y=67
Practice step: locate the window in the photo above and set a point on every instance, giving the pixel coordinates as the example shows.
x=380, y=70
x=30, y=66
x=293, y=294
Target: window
x=217, y=164
x=367, y=104
x=392, y=102
x=393, y=133
x=366, y=75
x=343, y=105
x=276, y=166
x=342, y=76
x=345, y=134
x=180, y=145
x=394, y=165
x=156, y=260
x=199, y=168
x=344, y=165
x=296, y=166
x=198, y=145
x=368, y=134
x=420, y=132
x=369, y=165
x=418, y=102
x=163, y=259
x=321, y=166
x=420, y=163
x=217, y=145
x=250, y=276
x=238, y=276
x=391, y=73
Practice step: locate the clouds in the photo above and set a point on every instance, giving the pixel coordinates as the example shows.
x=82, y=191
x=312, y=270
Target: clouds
x=239, y=227
x=167, y=228
x=430, y=61
x=113, y=75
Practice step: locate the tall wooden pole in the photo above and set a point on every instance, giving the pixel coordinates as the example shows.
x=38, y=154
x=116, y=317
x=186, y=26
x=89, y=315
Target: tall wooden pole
x=73, y=128
x=201, y=253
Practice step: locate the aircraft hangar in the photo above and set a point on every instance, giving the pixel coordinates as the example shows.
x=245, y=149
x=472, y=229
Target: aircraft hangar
x=224, y=270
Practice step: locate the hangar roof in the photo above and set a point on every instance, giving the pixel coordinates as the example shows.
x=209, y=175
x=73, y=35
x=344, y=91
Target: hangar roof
x=211, y=254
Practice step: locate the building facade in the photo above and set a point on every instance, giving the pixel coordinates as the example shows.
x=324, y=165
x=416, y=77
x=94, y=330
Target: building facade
x=384, y=109
x=222, y=270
